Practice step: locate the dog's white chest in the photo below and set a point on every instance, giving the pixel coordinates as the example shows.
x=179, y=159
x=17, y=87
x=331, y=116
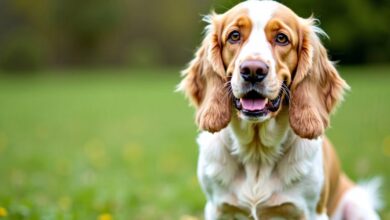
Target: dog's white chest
x=253, y=188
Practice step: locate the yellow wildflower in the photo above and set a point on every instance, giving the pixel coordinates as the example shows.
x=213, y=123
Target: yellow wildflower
x=3, y=212
x=105, y=216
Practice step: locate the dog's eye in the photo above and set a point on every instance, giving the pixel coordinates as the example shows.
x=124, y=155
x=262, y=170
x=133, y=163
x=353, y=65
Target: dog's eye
x=281, y=39
x=234, y=37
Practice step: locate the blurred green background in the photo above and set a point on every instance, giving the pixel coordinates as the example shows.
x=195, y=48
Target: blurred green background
x=62, y=33
x=90, y=126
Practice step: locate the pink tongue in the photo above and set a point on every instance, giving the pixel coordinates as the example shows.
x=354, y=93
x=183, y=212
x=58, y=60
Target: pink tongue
x=253, y=104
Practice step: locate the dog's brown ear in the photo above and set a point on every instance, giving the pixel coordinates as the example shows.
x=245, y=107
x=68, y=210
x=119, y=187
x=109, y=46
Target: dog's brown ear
x=205, y=81
x=316, y=87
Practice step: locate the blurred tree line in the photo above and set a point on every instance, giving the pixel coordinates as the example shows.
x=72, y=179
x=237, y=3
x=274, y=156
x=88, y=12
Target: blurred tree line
x=137, y=33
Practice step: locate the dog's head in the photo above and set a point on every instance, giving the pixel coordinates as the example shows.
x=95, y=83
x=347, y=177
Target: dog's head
x=257, y=58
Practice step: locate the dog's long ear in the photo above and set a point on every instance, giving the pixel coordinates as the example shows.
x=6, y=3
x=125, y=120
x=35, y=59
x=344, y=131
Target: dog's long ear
x=316, y=87
x=205, y=81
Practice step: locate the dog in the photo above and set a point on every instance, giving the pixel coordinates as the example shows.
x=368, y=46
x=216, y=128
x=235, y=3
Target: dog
x=264, y=88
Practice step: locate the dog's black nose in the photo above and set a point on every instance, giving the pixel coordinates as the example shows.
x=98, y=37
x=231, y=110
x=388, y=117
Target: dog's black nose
x=253, y=70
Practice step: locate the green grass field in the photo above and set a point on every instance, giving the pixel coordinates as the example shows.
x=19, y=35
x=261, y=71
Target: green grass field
x=121, y=144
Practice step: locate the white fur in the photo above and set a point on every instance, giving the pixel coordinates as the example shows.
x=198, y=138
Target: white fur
x=360, y=202
x=229, y=176
x=322, y=216
x=257, y=44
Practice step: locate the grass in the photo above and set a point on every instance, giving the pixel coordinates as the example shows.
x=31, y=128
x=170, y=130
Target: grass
x=121, y=144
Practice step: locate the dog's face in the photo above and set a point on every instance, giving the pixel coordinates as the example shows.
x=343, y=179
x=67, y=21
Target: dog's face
x=257, y=58
x=259, y=42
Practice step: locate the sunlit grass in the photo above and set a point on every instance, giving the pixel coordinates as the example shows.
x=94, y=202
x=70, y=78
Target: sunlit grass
x=121, y=144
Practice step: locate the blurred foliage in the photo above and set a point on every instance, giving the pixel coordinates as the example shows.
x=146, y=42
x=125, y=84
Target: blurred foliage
x=56, y=33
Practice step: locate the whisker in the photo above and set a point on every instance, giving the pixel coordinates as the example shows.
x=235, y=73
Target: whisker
x=286, y=91
x=286, y=95
x=229, y=92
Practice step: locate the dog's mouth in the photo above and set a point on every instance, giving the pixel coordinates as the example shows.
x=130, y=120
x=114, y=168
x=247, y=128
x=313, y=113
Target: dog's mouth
x=253, y=104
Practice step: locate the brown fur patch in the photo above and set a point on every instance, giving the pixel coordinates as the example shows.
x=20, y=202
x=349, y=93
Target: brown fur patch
x=236, y=20
x=285, y=211
x=336, y=183
x=316, y=88
x=205, y=81
x=286, y=57
x=206, y=77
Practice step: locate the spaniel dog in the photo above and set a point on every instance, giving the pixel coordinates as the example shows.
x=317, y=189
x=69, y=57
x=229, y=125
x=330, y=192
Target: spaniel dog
x=263, y=88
